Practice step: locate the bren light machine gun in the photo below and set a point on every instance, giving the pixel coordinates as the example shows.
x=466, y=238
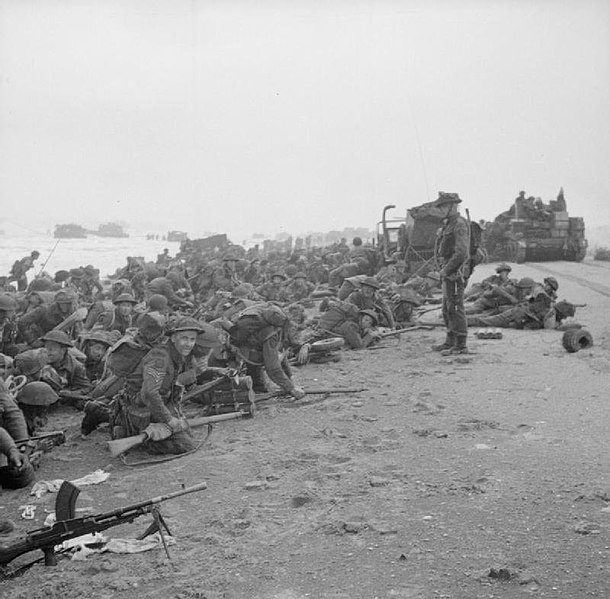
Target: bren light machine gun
x=68, y=527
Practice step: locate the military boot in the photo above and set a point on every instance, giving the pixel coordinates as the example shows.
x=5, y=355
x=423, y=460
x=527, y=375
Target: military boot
x=445, y=345
x=259, y=384
x=458, y=348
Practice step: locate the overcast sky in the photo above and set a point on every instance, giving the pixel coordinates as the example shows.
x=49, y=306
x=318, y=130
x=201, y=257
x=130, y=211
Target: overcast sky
x=299, y=115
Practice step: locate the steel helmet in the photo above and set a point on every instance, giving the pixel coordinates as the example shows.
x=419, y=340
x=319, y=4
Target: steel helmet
x=58, y=337
x=185, y=323
x=37, y=394
x=125, y=297
x=7, y=302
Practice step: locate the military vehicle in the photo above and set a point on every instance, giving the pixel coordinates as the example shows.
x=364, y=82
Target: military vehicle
x=70, y=231
x=413, y=238
x=536, y=232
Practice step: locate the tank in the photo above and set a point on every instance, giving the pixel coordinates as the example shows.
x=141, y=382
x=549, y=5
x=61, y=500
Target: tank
x=532, y=231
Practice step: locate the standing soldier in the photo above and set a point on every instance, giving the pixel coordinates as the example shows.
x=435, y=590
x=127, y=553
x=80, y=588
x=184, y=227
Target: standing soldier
x=453, y=252
x=20, y=268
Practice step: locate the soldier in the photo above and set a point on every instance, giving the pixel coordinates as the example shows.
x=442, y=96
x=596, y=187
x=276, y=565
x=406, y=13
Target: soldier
x=34, y=399
x=43, y=319
x=453, y=253
x=95, y=345
x=345, y=320
x=121, y=361
x=299, y=288
x=63, y=371
x=495, y=292
x=8, y=324
x=30, y=363
x=550, y=287
x=167, y=286
x=259, y=334
x=225, y=277
x=15, y=470
x=121, y=317
x=20, y=268
x=163, y=259
x=500, y=278
x=253, y=272
x=274, y=291
x=366, y=298
x=151, y=399
x=90, y=284
x=533, y=311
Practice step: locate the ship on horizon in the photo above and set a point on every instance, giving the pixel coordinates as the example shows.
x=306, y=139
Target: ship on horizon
x=69, y=231
x=110, y=230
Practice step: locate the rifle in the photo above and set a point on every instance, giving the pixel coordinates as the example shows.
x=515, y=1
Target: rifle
x=68, y=527
x=199, y=389
x=37, y=445
x=322, y=391
x=77, y=316
x=120, y=446
x=405, y=330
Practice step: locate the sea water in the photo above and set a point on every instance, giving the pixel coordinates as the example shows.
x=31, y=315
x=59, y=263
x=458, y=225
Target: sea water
x=105, y=253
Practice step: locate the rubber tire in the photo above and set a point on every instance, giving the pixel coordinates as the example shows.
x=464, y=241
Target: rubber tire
x=574, y=340
x=326, y=345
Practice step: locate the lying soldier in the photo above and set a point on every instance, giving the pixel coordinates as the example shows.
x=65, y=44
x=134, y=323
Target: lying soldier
x=343, y=319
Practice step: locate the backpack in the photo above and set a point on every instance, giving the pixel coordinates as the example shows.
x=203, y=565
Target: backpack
x=476, y=254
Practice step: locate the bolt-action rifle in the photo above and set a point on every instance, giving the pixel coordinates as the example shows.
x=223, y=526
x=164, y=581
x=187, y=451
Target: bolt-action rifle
x=405, y=330
x=68, y=527
x=37, y=445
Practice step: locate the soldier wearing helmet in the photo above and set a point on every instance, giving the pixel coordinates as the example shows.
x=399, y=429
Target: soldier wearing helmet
x=225, y=277
x=534, y=310
x=344, y=319
x=41, y=320
x=274, y=290
x=367, y=298
x=63, y=371
x=551, y=286
x=299, y=288
x=34, y=399
x=21, y=267
x=167, y=286
x=120, y=318
x=494, y=293
x=95, y=345
x=259, y=333
x=150, y=403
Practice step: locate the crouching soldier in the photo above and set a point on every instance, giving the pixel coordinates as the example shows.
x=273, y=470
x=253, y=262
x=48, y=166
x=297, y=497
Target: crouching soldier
x=150, y=401
x=15, y=470
x=35, y=399
x=259, y=334
x=63, y=372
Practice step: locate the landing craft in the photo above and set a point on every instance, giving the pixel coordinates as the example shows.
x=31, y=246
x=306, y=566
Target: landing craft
x=110, y=230
x=70, y=231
